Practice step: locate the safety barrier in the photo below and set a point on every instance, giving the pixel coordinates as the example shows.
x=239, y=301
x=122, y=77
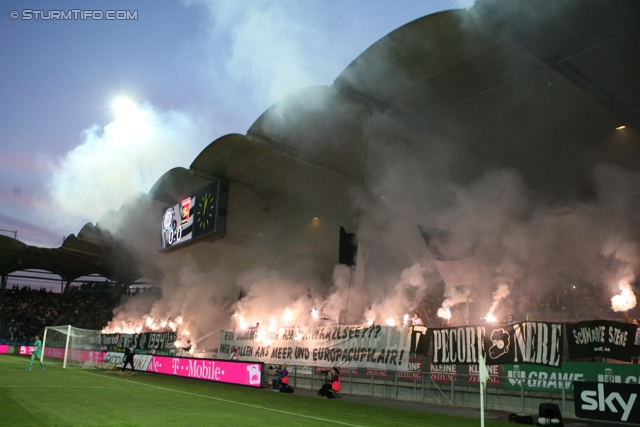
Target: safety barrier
x=520, y=391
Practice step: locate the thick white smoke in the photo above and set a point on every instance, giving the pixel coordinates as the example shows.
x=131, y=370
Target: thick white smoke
x=193, y=303
x=404, y=296
x=625, y=255
x=273, y=300
x=526, y=244
x=120, y=159
x=272, y=51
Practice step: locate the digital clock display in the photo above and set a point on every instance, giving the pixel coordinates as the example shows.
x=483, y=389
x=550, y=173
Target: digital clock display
x=201, y=214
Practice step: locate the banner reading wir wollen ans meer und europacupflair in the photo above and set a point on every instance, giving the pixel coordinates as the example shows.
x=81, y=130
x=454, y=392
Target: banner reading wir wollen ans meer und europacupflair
x=374, y=346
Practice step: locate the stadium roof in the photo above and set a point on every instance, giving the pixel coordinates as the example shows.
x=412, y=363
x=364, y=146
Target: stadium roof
x=535, y=86
x=539, y=87
x=93, y=251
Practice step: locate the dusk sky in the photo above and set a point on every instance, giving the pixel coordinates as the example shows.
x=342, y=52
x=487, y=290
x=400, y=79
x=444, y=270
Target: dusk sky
x=186, y=73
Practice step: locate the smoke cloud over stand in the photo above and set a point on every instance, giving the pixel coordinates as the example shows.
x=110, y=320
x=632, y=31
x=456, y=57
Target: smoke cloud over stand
x=531, y=242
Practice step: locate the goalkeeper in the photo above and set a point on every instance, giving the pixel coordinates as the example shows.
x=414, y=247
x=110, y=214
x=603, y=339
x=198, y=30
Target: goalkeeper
x=37, y=354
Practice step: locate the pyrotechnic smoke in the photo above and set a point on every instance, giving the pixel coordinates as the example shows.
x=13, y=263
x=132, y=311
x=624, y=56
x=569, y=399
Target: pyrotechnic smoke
x=508, y=273
x=407, y=293
x=444, y=312
x=271, y=63
x=499, y=294
x=627, y=257
x=344, y=289
x=187, y=306
x=429, y=179
x=117, y=160
x=454, y=296
x=274, y=301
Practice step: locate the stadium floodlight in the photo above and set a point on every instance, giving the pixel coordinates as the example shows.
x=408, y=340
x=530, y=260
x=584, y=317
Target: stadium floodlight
x=123, y=107
x=75, y=347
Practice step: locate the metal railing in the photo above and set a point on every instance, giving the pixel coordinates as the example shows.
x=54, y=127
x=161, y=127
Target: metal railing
x=426, y=389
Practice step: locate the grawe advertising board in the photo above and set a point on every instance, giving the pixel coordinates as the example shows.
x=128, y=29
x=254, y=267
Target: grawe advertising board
x=542, y=378
x=225, y=371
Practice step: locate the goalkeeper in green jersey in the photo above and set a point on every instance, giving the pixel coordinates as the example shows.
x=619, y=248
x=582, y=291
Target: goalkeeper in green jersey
x=37, y=354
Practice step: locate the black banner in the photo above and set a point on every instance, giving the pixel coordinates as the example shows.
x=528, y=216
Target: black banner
x=420, y=340
x=607, y=401
x=601, y=338
x=538, y=343
x=144, y=341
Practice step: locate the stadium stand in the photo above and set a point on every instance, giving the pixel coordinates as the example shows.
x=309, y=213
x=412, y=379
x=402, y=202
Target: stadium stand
x=24, y=311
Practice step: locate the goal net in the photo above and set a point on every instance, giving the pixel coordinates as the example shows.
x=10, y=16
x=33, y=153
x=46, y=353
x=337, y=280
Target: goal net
x=74, y=347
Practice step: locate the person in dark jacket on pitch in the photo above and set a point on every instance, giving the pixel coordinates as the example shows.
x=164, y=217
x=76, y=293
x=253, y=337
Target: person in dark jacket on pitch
x=129, y=352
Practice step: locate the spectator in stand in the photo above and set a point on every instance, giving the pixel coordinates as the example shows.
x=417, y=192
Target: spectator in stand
x=416, y=320
x=234, y=354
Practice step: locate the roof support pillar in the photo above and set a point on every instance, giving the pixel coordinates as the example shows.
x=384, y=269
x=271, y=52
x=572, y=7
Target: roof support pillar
x=3, y=286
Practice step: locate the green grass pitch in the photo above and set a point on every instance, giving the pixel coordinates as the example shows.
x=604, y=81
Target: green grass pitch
x=80, y=397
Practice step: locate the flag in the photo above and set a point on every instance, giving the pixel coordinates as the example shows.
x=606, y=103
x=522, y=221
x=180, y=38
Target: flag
x=348, y=248
x=447, y=245
x=454, y=256
x=484, y=374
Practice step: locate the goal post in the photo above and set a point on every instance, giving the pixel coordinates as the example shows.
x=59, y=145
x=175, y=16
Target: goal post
x=74, y=347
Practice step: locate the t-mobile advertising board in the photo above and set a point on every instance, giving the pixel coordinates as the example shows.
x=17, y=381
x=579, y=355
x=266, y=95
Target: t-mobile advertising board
x=224, y=371
x=25, y=349
x=231, y=372
x=4, y=349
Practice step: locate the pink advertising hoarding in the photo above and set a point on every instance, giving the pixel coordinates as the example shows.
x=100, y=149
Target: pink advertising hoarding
x=26, y=349
x=4, y=349
x=241, y=373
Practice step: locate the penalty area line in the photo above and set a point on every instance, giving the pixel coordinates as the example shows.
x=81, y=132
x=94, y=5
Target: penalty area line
x=264, y=408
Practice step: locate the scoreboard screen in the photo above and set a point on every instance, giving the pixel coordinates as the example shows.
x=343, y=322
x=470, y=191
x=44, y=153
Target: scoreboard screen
x=197, y=215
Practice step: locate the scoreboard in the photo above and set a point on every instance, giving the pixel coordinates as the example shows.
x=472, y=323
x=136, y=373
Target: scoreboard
x=197, y=215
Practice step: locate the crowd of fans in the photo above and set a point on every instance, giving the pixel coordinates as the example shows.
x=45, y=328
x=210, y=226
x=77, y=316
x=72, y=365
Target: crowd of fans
x=25, y=311
x=570, y=303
